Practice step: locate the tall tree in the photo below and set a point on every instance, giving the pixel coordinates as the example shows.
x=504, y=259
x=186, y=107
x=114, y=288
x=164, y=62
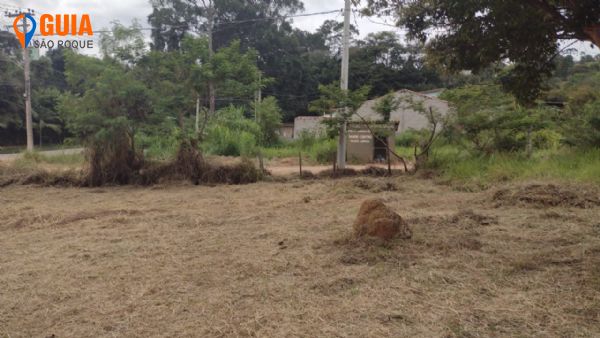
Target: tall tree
x=171, y=20
x=331, y=32
x=383, y=63
x=473, y=34
x=256, y=24
x=11, y=99
x=124, y=44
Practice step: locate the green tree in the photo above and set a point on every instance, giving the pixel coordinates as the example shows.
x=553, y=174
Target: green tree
x=106, y=116
x=490, y=120
x=124, y=44
x=386, y=105
x=385, y=64
x=230, y=133
x=338, y=104
x=331, y=32
x=474, y=34
x=11, y=101
x=171, y=21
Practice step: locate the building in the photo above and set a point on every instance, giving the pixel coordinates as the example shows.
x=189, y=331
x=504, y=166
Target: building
x=364, y=147
x=405, y=116
x=312, y=125
x=286, y=131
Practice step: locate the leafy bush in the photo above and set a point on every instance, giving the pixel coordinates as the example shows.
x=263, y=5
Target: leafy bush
x=106, y=116
x=160, y=144
x=490, y=121
x=584, y=128
x=546, y=139
x=226, y=142
x=232, y=134
x=408, y=138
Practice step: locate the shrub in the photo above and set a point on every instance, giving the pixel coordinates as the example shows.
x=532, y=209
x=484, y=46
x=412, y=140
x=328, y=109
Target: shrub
x=546, y=139
x=226, y=142
x=408, y=138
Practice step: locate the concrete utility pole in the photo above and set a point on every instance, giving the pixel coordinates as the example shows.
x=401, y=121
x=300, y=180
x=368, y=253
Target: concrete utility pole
x=26, y=68
x=341, y=153
x=212, y=96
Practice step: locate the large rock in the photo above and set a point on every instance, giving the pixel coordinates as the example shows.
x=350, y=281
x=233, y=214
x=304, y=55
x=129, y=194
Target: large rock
x=377, y=220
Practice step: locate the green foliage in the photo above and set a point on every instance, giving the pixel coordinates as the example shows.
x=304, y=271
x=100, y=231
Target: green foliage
x=386, y=106
x=382, y=62
x=316, y=150
x=268, y=117
x=584, y=128
x=324, y=152
x=227, y=142
x=475, y=34
x=339, y=104
x=124, y=44
x=408, y=138
x=489, y=120
x=458, y=166
x=159, y=144
x=106, y=117
x=232, y=134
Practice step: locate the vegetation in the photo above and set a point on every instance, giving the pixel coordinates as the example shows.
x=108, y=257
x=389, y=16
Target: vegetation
x=460, y=167
x=140, y=104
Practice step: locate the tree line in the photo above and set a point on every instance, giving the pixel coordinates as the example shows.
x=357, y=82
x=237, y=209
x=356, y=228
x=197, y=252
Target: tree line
x=195, y=47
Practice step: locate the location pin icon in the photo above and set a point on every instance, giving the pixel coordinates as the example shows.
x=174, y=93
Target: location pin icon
x=24, y=37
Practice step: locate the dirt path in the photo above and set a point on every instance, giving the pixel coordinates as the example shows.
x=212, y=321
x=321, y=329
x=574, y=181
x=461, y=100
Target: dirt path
x=287, y=170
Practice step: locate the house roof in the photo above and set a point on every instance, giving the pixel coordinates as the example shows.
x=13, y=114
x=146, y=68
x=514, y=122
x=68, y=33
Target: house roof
x=406, y=116
x=367, y=110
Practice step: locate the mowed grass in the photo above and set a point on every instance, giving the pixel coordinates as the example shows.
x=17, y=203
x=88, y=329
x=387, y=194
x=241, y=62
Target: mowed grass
x=278, y=260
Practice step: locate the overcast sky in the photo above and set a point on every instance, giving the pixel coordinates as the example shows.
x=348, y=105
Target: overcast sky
x=102, y=12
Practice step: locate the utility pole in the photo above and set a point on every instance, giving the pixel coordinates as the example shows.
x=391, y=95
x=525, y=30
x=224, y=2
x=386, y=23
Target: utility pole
x=341, y=151
x=211, y=84
x=26, y=68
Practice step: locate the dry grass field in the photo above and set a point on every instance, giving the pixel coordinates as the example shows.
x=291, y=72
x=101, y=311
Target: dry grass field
x=278, y=260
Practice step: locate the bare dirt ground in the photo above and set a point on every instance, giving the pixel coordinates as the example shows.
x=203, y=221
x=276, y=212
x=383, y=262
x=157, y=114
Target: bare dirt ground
x=291, y=166
x=277, y=260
